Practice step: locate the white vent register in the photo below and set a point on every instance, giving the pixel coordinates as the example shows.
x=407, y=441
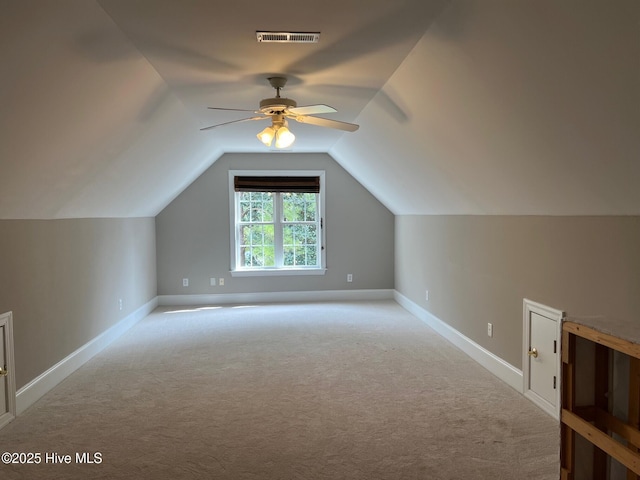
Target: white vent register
x=288, y=37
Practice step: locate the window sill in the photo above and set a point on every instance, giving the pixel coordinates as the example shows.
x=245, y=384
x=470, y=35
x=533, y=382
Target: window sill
x=278, y=273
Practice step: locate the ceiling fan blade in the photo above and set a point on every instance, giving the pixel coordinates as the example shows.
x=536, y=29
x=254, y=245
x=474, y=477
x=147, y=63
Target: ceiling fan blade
x=312, y=110
x=230, y=109
x=325, y=122
x=234, y=121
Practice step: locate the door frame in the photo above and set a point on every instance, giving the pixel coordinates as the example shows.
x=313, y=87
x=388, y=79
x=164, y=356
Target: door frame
x=6, y=321
x=555, y=315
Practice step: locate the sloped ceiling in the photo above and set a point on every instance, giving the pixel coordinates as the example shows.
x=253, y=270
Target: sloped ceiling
x=510, y=108
x=465, y=107
x=84, y=131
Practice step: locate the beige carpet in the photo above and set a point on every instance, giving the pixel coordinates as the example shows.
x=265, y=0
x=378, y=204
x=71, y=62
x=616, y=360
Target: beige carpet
x=293, y=391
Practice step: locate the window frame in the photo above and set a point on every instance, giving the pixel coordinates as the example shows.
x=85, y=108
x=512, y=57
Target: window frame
x=237, y=271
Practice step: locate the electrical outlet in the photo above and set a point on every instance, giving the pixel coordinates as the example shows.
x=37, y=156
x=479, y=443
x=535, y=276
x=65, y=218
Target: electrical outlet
x=212, y=282
x=221, y=281
x=119, y=304
x=426, y=295
x=185, y=282
x=349, y=277
x=490, y=329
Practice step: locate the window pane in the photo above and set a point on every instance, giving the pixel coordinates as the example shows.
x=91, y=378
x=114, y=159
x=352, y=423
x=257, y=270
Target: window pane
x=245, y=211
x=299, y=234
x=269, y=256
x=310, y=207
x=257, y=245
x=256, y=206
x=312, y=235
x=300, y=245
x=311, y=255
x=267, y=205
x=264, y=203
x=288, y=256
x=299, y=207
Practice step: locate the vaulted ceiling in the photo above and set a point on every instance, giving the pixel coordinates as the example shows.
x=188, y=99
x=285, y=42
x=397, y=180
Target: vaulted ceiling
x=465, y=107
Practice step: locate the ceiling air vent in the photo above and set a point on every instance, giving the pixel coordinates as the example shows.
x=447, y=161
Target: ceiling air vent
x=288, y=37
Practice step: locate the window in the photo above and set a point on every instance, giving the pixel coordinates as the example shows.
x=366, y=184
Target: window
x=276, y=223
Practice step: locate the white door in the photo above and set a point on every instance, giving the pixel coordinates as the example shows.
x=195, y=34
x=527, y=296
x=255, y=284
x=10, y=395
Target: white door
x=541, y=356
x=7, y=381
x=4, y=373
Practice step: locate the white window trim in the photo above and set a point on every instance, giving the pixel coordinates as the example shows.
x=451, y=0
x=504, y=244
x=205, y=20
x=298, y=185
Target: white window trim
x=264, y=272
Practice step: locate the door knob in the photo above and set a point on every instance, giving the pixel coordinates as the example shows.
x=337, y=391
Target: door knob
x=533, y=352
x=4, y=372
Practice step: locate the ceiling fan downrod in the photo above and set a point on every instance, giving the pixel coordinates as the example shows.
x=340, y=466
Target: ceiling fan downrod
x=277, y=83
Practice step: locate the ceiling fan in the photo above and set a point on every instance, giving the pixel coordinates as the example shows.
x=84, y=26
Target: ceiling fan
x=279, y=109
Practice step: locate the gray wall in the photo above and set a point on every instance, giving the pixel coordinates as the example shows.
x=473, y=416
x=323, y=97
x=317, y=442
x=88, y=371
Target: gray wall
x=193, y=232
x=478, y=269
x=63, y=278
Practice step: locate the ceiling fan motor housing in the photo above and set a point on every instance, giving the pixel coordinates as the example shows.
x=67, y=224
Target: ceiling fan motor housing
x=273, y=106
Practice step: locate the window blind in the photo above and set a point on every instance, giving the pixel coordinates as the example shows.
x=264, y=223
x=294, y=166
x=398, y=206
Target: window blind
x=277, y=184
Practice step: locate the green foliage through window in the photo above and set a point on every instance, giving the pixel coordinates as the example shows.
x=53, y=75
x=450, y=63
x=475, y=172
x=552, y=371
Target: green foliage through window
x=278, y=230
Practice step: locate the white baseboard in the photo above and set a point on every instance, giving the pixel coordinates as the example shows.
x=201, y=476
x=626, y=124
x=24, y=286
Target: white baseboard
x=36, y=388
x=270, y=297
x=496, y=365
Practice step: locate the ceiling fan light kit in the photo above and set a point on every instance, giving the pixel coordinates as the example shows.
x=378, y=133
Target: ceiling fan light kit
x=278, y=130
x=280, y=109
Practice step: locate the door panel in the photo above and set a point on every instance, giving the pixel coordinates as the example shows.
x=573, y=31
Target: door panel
x=4, y=401
x=7, y=376
x=542, y=369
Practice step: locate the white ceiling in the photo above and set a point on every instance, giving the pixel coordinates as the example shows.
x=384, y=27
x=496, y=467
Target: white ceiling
x=465, y=107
